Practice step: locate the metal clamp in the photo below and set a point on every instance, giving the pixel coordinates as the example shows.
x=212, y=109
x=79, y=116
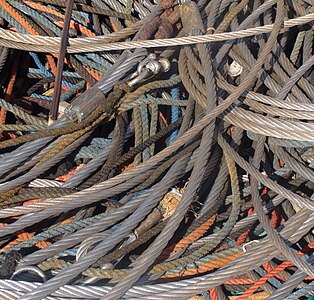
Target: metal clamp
x=149, y=67
x=73, y=113
x=234, y=69
x=180, y=2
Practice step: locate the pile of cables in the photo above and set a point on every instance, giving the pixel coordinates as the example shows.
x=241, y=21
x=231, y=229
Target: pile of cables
x=156, y=150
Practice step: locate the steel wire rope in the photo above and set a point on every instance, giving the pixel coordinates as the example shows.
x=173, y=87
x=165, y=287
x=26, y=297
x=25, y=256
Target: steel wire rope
x=274, y=235
x=154, y=43
x=92, y=257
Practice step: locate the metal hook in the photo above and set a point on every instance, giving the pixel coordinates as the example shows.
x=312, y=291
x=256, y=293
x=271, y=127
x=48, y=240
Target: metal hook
x=245, y=245
x=30, y=269
x=142, y=64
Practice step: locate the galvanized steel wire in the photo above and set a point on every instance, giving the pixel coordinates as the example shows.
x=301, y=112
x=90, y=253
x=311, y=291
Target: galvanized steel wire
x=181, y=161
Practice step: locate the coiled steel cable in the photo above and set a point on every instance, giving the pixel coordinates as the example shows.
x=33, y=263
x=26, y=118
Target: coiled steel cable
x=246, y=104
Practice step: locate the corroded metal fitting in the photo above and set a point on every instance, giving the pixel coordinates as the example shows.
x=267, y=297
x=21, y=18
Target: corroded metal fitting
x=149, y=67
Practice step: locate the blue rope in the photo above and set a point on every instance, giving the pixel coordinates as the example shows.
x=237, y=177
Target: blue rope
x=43, y=70
x=66, y=95
x=78, y=17
x=72, y=91
x=65, y=73
x=138, y=194
x=11, y=20
x=96, y=146
x=302, y=292
x=175, y=112
x=35, y=95
x=96, y=67
x=39, y=17
x=50, y=233
x=100, y=60
x=264, y=233
x=35, y=57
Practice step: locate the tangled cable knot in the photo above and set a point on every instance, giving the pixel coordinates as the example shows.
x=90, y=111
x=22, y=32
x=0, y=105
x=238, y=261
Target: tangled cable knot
x=156, y=151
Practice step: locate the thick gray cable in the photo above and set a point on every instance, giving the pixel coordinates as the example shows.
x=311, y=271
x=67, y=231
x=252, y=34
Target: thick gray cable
x=153, y=251
x=84, y=103
x=294, y=78
x=274, y=235
x=156, y=193
x=287, y=287
x=78, y=45
x=259, y=252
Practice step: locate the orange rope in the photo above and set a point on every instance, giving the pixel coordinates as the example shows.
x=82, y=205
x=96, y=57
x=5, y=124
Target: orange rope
x=9, y=90
x=77, y=27
x=128, y=167
x=274, y=218
x=163, y=118
x=114, y=26
x=205, y=267
x=213, y=294
x=22, y=237
x=189, y=239
x=38, y=6
x=264, y=192
x=49, y=10
x=8, y=94
x=11, y=11
x=92, y=73
x=32, y=201
x=52, y=63
x=268, y=268
x=269, y=275
x=264, y=279
x=240, y=281
x=242, y=238
x=70, y=174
